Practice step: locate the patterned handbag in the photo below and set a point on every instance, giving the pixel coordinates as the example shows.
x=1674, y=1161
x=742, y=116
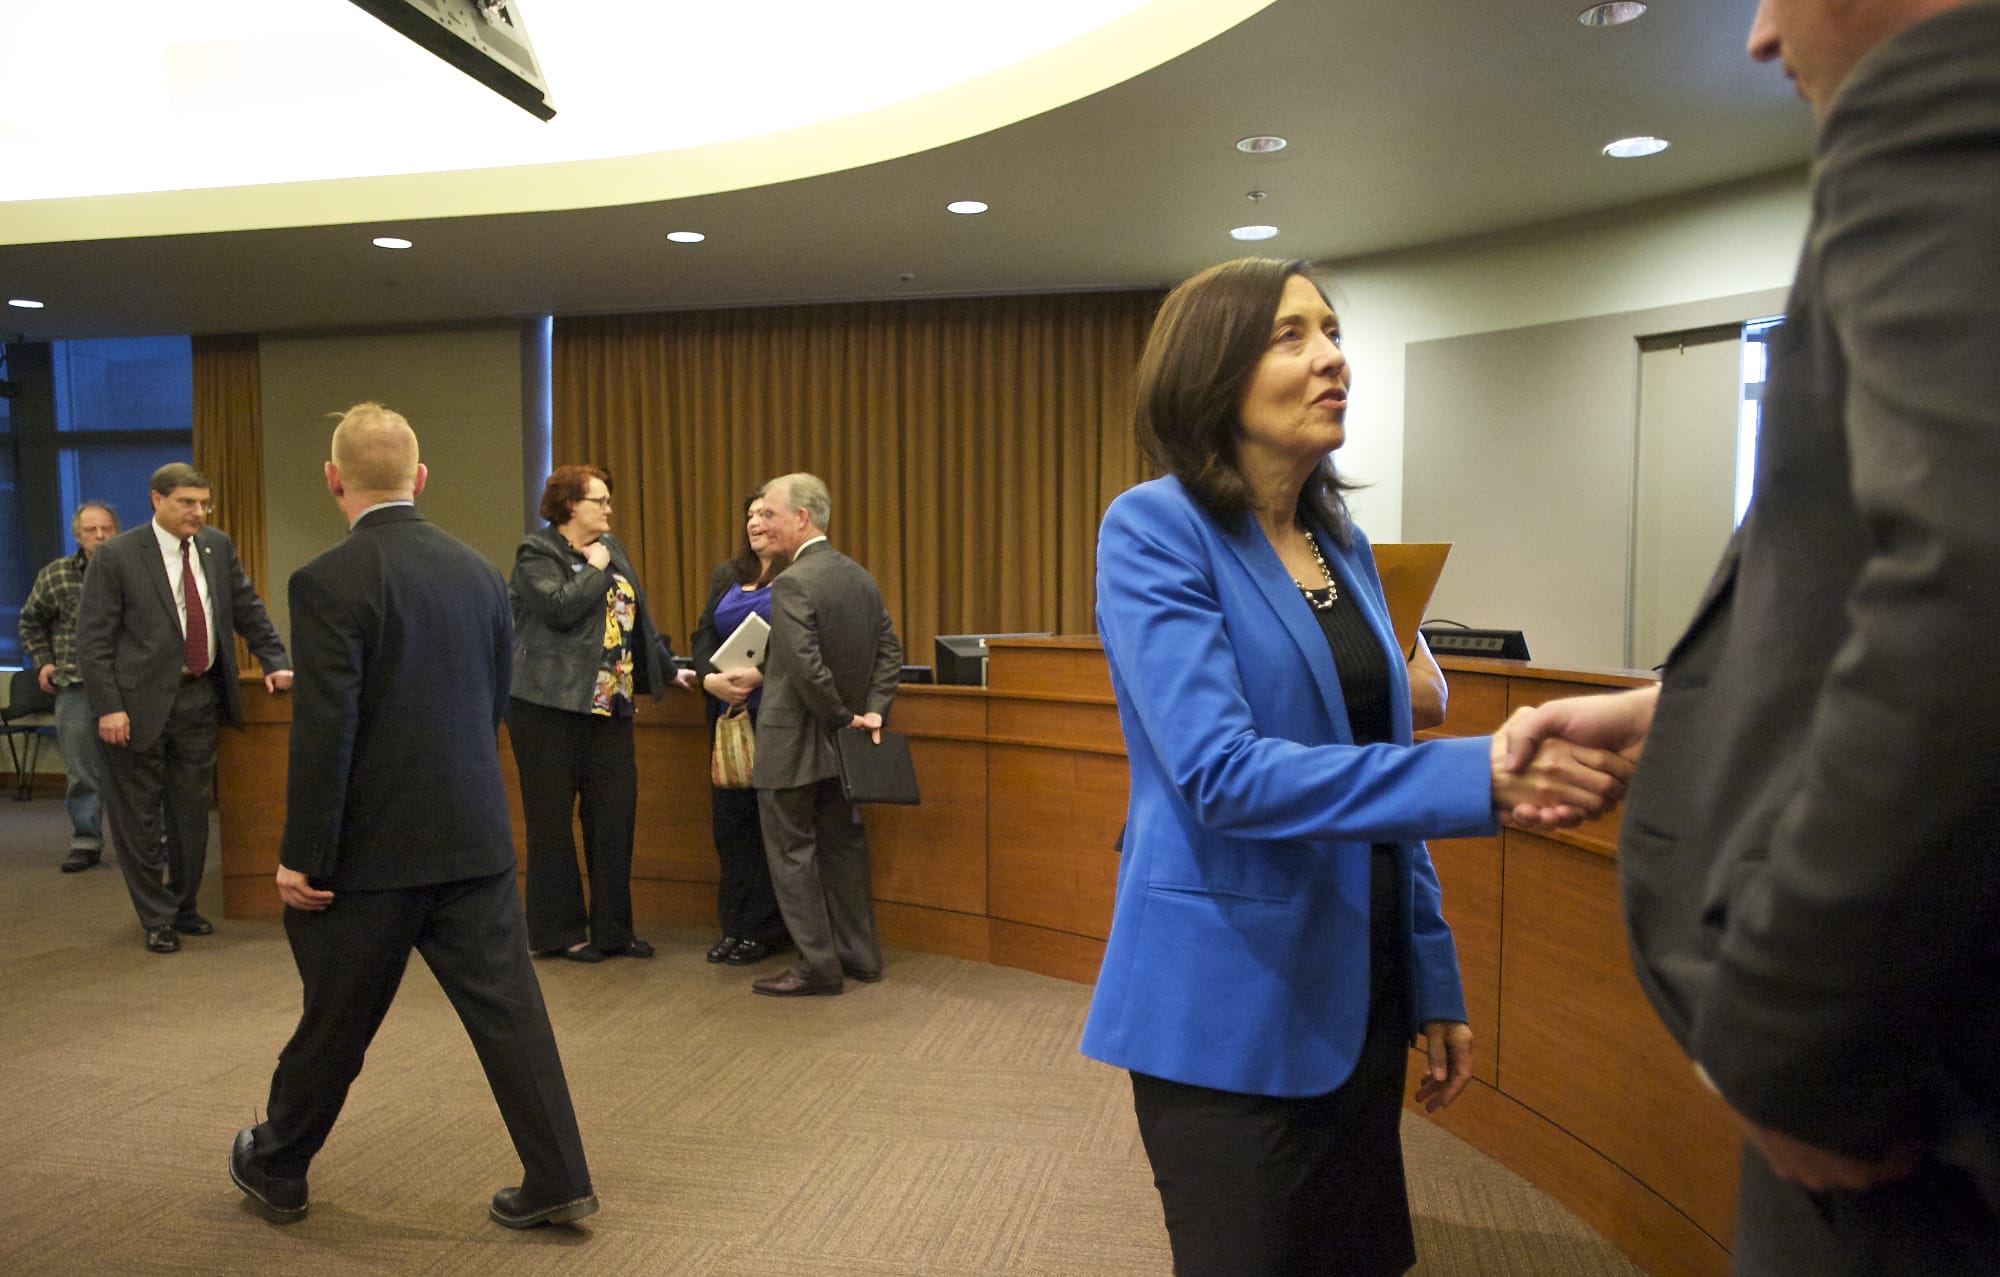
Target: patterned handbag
x=735, y=748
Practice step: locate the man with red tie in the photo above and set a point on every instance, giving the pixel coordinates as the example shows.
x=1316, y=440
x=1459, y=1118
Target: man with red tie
x=153, y=646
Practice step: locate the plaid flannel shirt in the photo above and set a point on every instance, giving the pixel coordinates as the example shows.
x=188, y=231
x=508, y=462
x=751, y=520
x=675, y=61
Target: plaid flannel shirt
x=48, y=618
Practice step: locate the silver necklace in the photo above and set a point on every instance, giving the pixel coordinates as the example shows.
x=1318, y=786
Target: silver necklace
x=1322, y=601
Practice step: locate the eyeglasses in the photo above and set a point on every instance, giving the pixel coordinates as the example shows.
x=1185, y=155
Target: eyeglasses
x=602, y=503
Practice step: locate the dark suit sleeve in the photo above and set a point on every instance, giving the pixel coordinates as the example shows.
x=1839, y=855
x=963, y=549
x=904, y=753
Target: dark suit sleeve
x=1861, y=942
x=888, y=665
x=246, y=612
x=99, y=614
x=503, y=651
x=544, y=585
x=326, y=716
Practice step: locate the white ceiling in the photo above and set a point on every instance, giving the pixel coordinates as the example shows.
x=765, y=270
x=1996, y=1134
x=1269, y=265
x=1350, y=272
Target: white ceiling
x=1411, y=121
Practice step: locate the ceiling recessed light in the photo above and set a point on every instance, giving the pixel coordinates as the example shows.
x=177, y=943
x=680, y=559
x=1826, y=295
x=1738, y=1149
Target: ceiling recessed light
x=1632, y=148
x=1262, y=144
x=1253, y=232
x=966, y=208
x=24, y=303
x=1611, y=14
x=389, y=241
x=686, y=237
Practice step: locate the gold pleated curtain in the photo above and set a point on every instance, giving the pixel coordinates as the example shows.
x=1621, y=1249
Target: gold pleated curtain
x=971, y=444
x=229, y=449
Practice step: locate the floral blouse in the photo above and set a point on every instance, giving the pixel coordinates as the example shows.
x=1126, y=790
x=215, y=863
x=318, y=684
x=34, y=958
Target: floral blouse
x=612, y=697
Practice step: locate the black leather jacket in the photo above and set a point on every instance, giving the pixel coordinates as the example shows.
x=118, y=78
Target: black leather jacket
x=558, y=602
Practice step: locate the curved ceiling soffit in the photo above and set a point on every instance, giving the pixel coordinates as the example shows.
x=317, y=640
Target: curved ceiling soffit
x=1129, y=46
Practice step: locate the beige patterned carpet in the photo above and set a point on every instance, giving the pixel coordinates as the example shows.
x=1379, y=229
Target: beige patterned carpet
x=941, y=1122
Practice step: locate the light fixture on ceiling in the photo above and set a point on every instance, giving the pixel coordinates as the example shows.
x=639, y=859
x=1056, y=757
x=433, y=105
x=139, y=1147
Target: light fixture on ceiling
x=1253, y=232
x=24, y=303
x=1262, y=144
x=686, y=237
x=966, y=208
x=390, y=241
x=1611, y=14
x=1632, y=148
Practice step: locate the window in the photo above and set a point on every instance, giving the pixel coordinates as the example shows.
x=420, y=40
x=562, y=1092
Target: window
x=92, y=421
x=1756, y=365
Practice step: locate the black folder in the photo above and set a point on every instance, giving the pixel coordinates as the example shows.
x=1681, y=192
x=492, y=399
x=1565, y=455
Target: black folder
x=871, y=773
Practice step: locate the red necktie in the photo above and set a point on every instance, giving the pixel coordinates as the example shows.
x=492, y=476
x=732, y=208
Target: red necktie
x=197, y=620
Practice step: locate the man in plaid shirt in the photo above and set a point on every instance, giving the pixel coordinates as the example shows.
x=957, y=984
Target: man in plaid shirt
x=48, y=632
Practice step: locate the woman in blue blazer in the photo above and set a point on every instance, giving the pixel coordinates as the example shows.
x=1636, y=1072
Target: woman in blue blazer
x=1277, y=939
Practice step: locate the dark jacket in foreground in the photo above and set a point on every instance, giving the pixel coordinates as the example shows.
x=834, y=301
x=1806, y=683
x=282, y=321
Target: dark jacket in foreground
x=1811, y=846
x=403, y=643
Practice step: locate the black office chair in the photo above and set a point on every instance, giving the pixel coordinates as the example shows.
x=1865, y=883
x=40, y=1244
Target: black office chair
x=30, y=713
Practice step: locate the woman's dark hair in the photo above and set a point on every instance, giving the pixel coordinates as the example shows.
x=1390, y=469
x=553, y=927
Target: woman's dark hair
x=1206, y=342
x=566, y=487
x=749, y=569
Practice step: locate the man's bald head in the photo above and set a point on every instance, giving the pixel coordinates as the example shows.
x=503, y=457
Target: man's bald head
x=375, y=452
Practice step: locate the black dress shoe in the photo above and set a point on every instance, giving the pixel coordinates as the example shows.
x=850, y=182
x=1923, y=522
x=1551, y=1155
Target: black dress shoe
x=864, y=977
x=582, y=953
x=162, y=940
x=511, y=1209
x=747, y=952
x=282, y=1200
x=792, y=985
x=633, y=948
x=194, y=925
x=78, y=860
x=723, y=948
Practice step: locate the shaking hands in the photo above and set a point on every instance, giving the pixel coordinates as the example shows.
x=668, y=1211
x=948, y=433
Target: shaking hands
x=1559, y=764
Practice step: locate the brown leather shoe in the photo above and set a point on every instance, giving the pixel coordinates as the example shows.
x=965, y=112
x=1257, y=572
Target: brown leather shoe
x=792, y=985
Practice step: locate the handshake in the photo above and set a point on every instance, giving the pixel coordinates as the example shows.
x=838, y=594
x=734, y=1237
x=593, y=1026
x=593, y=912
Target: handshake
x=1559, y=764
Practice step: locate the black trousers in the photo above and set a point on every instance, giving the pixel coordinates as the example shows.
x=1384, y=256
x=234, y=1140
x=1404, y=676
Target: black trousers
x=351, y=958
x=576, y=765
x=156, y=802
x=745, y=903
x=1268, y=1186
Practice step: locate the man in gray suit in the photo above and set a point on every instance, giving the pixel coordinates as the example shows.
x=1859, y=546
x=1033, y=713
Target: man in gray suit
x=1811, y=845
x=832, y=665
x=154, y=647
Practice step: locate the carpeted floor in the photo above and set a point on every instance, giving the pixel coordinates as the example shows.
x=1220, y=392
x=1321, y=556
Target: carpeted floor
x=941, y=1122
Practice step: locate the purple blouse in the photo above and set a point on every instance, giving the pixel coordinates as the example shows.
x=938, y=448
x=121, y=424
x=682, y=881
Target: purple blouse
x=735, y=604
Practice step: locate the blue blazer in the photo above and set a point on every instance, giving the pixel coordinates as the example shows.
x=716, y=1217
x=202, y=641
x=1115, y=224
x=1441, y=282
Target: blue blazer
x=1238, y=956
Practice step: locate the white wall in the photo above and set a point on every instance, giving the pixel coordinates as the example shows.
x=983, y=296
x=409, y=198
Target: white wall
x=1725, y=242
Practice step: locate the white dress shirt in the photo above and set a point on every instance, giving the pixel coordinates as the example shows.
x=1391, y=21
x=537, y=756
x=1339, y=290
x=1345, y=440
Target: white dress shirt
x=170, y=553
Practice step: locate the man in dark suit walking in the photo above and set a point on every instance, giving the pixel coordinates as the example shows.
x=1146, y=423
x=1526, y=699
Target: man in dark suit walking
x=154, y=647
x=1811, y=845
x=833, y=663
x=396, y=833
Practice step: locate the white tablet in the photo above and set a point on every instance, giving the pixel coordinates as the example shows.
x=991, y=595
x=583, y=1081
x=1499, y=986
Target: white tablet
x=745, y=648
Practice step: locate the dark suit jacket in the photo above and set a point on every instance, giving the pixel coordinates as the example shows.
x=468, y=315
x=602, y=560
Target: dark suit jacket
x=833, y=654
x=404, y=647
x=1811, y=847
x=129, y=645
